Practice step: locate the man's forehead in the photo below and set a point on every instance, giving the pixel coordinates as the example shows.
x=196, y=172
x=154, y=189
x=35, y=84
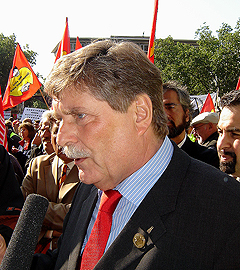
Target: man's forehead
x=230, y=117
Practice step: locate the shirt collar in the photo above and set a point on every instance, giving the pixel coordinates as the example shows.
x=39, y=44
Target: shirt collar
x=136, y=186
x=60, y=163
x=183, y=141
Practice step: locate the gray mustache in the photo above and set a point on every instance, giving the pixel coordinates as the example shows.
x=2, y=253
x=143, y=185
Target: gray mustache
x=71, y=151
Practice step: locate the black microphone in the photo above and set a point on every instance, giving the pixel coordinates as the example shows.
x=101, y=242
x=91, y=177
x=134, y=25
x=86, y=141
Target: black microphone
x=21, y=247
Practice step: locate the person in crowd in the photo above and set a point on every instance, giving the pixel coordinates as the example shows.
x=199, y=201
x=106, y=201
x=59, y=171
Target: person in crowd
x=22, y=153
x=205, y=129
x=11, y=200
x=228, y=144
x=17, y=168
x=13, y=141
x=15, y=125
x=11, y=119
x=36, y=124
x=44, y=178
x=27, y=120
x=177, y=105
x=13, y=138
x=143, y=203
x=41, y=143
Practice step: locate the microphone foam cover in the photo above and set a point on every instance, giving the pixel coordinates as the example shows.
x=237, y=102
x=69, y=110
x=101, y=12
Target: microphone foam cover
x=21, y=247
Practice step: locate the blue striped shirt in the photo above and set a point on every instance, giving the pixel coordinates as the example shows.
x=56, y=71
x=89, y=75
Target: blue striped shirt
x=133, y=190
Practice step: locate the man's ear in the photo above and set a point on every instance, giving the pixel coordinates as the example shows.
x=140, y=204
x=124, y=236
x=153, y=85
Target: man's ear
x=143, y=113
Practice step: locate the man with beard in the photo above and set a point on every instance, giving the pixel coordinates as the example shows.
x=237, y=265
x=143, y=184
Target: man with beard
x=177, y=105
x=228, y=144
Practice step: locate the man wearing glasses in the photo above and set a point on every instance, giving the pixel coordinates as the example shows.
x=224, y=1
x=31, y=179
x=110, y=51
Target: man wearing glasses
x=205, y=129
x=177, y=106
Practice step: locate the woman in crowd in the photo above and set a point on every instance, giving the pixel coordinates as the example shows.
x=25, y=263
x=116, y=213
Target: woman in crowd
x=22, y=153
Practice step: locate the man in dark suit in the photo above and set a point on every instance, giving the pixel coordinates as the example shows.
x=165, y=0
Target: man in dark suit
x=174, y=212
x=177, y=105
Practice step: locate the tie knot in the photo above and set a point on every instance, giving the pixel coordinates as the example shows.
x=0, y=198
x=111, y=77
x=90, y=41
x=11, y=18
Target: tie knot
x=64, y=170
x=63, y=175
x=109, y=201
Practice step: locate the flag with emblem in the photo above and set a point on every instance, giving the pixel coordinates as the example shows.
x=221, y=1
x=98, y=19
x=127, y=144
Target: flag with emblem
x=22, y=81
x=64, y=46
x=152, y=37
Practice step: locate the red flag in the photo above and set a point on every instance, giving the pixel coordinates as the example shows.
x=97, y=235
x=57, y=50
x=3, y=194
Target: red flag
x=78, y=44
x=22, y=81
x=3, y=134
x=152, y=37
x=238, y=84
x=208, y=105
x=64, y=46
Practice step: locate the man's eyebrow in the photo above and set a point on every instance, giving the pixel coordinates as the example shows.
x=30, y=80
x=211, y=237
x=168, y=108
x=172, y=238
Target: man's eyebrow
x=233, y=129
x=72, y=111
x=230, y=129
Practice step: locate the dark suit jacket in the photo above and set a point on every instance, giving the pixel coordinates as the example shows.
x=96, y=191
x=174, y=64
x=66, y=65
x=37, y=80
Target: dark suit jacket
x=190, y=220
x=11, y=198
x=211, y=141
x=195, y=150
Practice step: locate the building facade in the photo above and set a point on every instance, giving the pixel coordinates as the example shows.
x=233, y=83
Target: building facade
x=142, y=41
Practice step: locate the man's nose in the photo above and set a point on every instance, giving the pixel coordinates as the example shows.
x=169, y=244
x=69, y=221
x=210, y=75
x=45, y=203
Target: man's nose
x=224, y=141
x=66, y=134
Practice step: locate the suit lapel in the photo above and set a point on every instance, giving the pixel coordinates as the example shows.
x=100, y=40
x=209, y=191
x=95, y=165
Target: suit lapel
x=55, y=169
x=73, y=240
x=50, y=178
x=147, y=219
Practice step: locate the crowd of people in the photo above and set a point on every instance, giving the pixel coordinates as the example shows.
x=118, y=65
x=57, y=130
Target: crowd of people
x=116, y=134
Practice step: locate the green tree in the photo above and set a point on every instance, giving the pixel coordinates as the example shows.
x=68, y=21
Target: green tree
x=213, y=64
x=7, y=50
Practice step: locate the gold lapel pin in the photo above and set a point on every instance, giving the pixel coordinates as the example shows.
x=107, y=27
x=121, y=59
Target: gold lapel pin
x=139, y=240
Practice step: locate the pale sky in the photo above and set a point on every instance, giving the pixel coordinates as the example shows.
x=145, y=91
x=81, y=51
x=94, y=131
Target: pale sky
x=41, y=23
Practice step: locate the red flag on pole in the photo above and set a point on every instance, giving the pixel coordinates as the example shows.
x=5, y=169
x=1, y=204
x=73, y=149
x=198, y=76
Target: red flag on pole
x=64, y=46
x=22, y=81
x=78, y=44
x=208, y=105
x=238, y=84
x=3, y=134
x=152, y=37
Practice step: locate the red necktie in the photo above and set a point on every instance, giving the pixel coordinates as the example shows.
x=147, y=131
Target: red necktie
x=101, y=229
x=63, y=175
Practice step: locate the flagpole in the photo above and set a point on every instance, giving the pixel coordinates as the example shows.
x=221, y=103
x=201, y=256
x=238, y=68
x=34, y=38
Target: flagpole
x=44, y=98
x=152, y=37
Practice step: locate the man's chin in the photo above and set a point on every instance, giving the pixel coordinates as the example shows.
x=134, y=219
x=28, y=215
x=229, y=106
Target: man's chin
x=227, y=167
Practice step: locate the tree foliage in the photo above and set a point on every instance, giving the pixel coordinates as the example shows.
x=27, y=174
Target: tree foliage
x=213, y=64
x=7, y=50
